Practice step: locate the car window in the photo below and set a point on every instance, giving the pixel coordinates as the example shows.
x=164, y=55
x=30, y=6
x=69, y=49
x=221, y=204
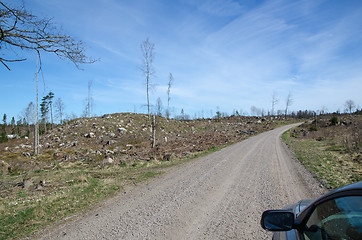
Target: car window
x=339, y=218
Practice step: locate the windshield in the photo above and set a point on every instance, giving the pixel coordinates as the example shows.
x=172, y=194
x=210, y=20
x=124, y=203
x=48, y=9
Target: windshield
x=339, y=218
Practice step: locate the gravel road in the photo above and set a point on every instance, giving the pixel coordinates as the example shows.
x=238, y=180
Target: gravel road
x=220, y=196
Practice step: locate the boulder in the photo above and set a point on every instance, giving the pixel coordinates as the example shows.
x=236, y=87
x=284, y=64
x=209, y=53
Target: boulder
x=26, y=154
x=167, y=156
x=90, y=135
x=122, y=130
x=129, y=146
x=108, y=161
x=5, y=167
x=27, y=183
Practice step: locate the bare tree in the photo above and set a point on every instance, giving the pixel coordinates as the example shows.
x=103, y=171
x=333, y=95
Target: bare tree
x=288, y=102
x=170, y=82
x=88, y=111
x=159, y=107
x=349, y=106
x=21, y=30
x=323, y=110
x=275, y=101
x=147, y=49
x=255, y=111
x=59, y=109
x=29, y=115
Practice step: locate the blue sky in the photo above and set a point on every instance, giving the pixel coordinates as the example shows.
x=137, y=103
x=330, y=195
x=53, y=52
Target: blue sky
x=223, y=54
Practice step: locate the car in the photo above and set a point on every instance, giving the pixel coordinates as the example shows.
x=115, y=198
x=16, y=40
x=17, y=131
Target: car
x=335, y=215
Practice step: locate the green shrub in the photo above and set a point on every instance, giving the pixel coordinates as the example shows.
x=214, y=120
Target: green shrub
x=334, y=120
x=313, y=128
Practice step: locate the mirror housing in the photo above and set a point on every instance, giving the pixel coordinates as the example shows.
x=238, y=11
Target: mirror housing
x=277, y=220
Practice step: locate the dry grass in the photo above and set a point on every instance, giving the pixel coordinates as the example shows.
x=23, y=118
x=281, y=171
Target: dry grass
x=68, y=189
x=332, y=152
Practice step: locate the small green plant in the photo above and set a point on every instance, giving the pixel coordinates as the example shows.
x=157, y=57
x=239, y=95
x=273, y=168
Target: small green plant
x=313, y=128
x=334, y=120
x=123, y=164
x=22, y=194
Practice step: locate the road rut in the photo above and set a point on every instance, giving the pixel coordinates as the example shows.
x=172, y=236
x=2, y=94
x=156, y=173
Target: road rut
x=219, y=196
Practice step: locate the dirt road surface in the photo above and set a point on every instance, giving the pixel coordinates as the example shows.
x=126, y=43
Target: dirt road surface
x=220, y=196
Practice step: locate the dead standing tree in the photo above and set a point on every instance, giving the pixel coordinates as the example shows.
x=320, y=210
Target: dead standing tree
x=170, y=82
x=147, y=49
x=89, y=108
x=275, y=101
x=20, y=30
x=288, y=102
x=349, y=106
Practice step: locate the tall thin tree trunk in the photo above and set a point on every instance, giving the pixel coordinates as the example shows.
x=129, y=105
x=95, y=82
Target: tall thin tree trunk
x=154, y=131
x=148, y=100
x=36, y=125
x=51, y=113
x=45, y=125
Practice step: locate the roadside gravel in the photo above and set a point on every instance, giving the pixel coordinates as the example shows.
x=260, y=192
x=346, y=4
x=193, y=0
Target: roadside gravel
x=219, y=196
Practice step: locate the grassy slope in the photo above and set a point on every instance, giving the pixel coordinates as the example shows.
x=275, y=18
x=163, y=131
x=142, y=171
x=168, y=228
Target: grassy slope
x=332, y=163
x=75, y=187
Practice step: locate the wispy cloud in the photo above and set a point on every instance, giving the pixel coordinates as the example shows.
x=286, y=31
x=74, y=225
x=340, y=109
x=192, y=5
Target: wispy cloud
x=226, y=53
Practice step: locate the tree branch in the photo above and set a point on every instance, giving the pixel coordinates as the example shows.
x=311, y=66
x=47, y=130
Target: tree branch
x=20, y=29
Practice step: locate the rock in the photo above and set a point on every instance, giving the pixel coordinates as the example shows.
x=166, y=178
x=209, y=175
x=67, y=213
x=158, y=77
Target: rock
x=5, y=167
x=57, y=155
x=24, y=146
x=106, y=116
x=13, y=136
x=249, y=132
x=109, y=152
x=122, y=130
x=108, y=161
x=27, y=183
x=112, y=134
x=167, y=156
x=26, y=154
x=90, y=135
x=129, y=146
x=39, y=187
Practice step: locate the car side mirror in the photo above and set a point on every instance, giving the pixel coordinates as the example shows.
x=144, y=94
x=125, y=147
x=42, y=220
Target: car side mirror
x=277, y=220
